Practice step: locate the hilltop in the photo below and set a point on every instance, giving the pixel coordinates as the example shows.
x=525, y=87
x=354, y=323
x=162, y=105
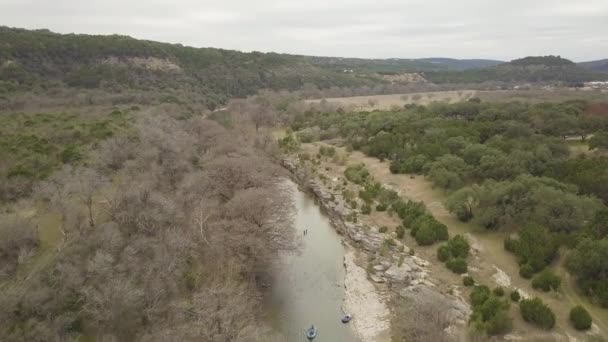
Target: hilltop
x=543, y=69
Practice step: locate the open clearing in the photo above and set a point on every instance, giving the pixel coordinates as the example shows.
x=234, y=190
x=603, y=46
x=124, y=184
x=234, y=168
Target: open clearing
x=368, y=103
x=386, y=102
x=488, y=255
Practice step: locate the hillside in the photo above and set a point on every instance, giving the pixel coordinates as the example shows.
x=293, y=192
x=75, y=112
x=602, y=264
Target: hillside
x=29, y=59
x=547, y=69
x=43, y=61
x=599, y=65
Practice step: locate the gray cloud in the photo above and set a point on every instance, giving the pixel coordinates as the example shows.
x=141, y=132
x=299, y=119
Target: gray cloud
x=350, y=28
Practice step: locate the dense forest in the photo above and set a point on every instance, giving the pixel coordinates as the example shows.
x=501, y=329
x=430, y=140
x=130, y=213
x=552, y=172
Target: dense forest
x=503, y=166
x=146, y=225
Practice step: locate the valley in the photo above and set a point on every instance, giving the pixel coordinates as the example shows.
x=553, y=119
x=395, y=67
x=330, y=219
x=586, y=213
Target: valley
x=159, y=192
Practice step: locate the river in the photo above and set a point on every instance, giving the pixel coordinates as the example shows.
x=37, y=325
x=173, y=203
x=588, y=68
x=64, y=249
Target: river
x=309, y=287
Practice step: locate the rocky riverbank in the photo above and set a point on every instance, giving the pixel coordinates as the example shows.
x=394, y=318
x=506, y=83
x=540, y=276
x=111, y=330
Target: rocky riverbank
x=392, y=265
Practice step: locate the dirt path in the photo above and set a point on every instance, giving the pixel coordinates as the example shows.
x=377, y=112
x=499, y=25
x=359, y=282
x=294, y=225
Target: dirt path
x=492, y=265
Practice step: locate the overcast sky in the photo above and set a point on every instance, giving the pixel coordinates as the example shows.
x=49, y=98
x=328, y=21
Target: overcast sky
x=496, y=29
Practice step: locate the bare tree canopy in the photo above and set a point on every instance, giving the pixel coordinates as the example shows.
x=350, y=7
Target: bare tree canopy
x=163, y=235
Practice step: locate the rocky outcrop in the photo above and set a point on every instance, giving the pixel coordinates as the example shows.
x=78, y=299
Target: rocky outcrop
x=372, y=316
x=397, y=267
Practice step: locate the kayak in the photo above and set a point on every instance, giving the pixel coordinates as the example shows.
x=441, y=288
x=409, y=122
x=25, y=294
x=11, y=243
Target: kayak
x=311, y=332
x=347, y=318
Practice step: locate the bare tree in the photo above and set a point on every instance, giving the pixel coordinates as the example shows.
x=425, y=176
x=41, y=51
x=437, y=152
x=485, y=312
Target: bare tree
x=421, y=321
x=85, y=183
x=55, y=191
x=261, y=115
x=194, y=213
x=269, y=210
x=112, y=153
x=18, y=239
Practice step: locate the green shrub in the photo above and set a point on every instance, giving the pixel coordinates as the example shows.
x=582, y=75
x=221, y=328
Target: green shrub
x=443, y=253
x=366, y=209
x=459, y=246
x=370, y=191
x=490, y=313
x=387, y=196
x=413, y=164
x=515, y=296
x=536, y=312
x=468, y=281
x=425, y=235
x=500, y=324
x=326, y=151
x=479, y=294
x=289, y=143
x=357, y=174
x=426, y=230
x=390, y=242
x=409, y=211
x=580, y=318
x=510, y=245
x=546, y=281
x=588, y=263
x=499, y=291
x=536, y=247
x=526, y=271
x=400, y=230
x=491, y=307
x=457, y=265
x=70, y=154
x=381, y=207
x=441, y=231
x=383, y=229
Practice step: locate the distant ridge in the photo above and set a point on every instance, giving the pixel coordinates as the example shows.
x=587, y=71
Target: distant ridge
x=463, y=64
x=599, y=65
x=532, y=69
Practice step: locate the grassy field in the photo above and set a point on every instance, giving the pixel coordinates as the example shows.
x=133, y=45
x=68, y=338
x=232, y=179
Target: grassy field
x=542, y=95
x=488, y=253
x=384, y=102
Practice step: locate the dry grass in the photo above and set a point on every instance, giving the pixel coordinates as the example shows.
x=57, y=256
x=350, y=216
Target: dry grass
x=383, y=102
x=542, y=95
